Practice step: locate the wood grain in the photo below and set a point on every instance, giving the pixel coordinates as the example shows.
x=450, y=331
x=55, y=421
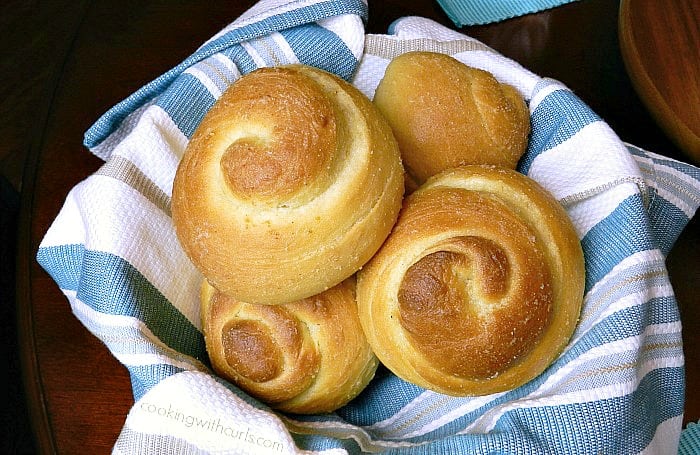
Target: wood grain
x=660, y=43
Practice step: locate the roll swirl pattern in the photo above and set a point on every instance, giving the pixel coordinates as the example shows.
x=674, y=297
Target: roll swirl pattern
x=290, y=183
x=479, y=287
x=445, y=114
x=306, y=357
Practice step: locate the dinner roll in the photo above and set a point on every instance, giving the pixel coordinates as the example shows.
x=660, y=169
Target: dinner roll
x=479, y=287
x=288, y=186
x=445, y=114
x=305, y=357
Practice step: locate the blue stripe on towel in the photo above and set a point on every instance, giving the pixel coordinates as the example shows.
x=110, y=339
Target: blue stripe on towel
x=667, y=223
x=618, y=236
x=186, y=101
x=558, y=117
x=312, y=44
x=115, y=287
x=476, y=12
x=144, y=377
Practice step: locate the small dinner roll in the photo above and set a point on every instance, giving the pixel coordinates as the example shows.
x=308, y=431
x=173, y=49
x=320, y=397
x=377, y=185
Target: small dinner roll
x=479, y=287
x=305, y=357
x=446, y=114
x=291, y=182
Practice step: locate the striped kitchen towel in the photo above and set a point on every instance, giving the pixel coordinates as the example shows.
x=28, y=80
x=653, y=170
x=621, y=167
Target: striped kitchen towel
x=617, y=388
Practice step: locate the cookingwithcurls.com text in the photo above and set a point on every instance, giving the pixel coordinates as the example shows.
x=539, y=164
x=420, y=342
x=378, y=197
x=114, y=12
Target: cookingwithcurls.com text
x=214, y=425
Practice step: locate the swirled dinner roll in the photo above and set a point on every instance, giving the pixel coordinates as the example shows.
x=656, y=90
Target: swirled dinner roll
x=309, y=356
x=446, y=114
x=478, y=288
x=291, y=182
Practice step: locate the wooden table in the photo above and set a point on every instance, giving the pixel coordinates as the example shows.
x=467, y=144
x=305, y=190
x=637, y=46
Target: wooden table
x=78, y=394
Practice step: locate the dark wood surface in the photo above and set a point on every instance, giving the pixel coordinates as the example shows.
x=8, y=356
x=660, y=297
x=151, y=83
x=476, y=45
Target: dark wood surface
x=64, y=63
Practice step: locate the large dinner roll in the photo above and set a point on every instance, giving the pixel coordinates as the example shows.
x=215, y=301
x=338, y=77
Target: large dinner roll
x=446, y=114
x=479, y=287
x=291, y=182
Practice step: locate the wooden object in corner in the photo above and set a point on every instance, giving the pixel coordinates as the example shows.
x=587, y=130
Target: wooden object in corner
x=660, y=44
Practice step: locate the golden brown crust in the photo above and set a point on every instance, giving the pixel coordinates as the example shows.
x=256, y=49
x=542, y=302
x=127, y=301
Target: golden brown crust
x=289, y=185
x=478, y=288
x=306, y=357
x=446, y=114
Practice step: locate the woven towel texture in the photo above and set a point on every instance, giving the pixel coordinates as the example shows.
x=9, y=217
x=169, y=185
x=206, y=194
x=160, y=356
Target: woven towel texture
x=475, y=12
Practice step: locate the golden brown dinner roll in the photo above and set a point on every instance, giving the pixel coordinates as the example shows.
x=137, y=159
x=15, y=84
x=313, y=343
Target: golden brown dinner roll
x=478, y=288
x=445, y=114
x=309, y=356
x=289, y=185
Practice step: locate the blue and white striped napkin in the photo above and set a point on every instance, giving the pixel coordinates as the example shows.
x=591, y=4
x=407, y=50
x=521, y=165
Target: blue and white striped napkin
x=617, y=388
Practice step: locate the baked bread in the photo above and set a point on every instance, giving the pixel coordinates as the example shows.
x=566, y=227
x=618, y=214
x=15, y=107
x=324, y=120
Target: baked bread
x=446, y=114
x=288, y=186
x=305, y=357
x=478, y=288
